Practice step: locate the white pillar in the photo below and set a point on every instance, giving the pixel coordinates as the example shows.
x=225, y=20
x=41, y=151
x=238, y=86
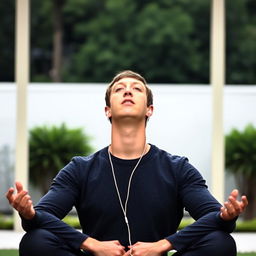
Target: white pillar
x=22, y=79
x=217, y=80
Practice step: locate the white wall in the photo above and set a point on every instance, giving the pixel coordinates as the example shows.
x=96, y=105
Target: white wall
x=181, y=123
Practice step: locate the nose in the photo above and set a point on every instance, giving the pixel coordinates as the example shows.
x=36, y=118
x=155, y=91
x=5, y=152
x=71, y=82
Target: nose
x=128, y=91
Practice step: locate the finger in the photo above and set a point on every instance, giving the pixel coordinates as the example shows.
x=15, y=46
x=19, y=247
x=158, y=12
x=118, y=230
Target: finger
x=127, y=253
x=121, y=246
x=28, y=209
x=25, y=202
x=20, y=205
x=24, y=206
x=20, y=196
x=244, y=201
x=230, y=209
x=234, y=193
x=223, y=210
x=116, y=242
x=9, y=195
x=223, y=213
x=19, y=186
x=17, y=199
x=236, y=204
x=123, y=251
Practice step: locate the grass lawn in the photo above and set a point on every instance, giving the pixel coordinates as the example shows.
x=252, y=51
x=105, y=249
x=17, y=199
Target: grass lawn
x=9, y=253
x=15, y=253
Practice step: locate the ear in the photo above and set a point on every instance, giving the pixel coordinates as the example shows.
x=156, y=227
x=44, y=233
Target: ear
x=107, y=112
x=150, y=110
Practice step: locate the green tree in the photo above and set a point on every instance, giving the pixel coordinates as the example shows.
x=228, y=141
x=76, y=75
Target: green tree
x=167, y=41
x=57, y=40
x=241, y=161
x=47, y=47
x=167, y=44
x=41, y=41
x=241, y=38
x=51, y=148
x=160, y=39
x=7, y=13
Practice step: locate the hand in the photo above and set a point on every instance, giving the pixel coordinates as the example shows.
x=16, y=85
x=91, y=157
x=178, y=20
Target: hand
x=105, y=248
x=232, y=208
x=149, y=249
x=21, y=201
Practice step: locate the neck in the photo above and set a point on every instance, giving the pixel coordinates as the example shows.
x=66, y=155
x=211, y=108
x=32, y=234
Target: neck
x=128, y=141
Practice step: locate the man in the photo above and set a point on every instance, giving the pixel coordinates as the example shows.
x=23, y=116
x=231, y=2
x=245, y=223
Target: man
x=129, y=196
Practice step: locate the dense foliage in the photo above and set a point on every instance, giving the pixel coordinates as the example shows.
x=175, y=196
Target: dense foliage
x=241, y=161
x=51, y=148
x=167, y=41
x=7, y=40
x=241, y=151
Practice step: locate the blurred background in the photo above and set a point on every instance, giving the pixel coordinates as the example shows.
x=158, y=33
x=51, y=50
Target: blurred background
x=166, y=41
x=77, y=46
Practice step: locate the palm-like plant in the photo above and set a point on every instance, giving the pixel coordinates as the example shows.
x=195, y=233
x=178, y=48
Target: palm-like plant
x=50, y=149
x=241, y=161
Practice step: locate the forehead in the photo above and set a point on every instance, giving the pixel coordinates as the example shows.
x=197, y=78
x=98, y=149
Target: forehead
x=128, y=80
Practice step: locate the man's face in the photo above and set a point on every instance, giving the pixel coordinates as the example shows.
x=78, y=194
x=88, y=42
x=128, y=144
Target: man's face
x=128, y=99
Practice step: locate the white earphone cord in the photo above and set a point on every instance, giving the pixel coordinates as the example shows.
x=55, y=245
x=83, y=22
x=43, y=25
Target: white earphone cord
x=124, y=208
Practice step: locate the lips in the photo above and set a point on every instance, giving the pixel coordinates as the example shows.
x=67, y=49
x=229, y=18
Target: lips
x=128, y=101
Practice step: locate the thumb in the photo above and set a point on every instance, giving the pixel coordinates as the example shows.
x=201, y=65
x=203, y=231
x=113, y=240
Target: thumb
x=19, y=186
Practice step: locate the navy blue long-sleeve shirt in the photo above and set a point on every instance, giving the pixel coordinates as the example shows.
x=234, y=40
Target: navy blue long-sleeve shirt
x=162, y=186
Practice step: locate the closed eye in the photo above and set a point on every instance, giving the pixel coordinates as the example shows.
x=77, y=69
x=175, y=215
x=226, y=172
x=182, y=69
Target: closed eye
x=137, y=89
x=118, y=89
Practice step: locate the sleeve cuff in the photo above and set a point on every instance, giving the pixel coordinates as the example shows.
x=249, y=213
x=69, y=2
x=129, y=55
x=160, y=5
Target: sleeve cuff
x=173, y=239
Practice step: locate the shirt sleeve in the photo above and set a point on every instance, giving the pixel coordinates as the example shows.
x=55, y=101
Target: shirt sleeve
x=201, y=205
x=57, y=203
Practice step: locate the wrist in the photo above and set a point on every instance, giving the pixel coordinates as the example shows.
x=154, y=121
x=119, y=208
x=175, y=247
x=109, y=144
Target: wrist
x=28, y=215
x=164, y=245
x=31, y=214
x=89, y=244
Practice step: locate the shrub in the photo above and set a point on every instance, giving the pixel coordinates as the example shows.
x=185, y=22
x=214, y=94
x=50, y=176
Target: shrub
x=51, y=148
x=241, y=161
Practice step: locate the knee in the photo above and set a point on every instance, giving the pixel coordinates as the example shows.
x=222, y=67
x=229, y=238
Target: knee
x=222, y=243
x=38, y=242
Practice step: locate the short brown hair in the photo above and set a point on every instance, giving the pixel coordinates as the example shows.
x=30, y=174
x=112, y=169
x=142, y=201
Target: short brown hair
x=124, y=74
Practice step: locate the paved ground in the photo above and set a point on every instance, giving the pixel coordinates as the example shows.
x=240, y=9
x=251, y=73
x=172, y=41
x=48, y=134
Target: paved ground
x=246, y=242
